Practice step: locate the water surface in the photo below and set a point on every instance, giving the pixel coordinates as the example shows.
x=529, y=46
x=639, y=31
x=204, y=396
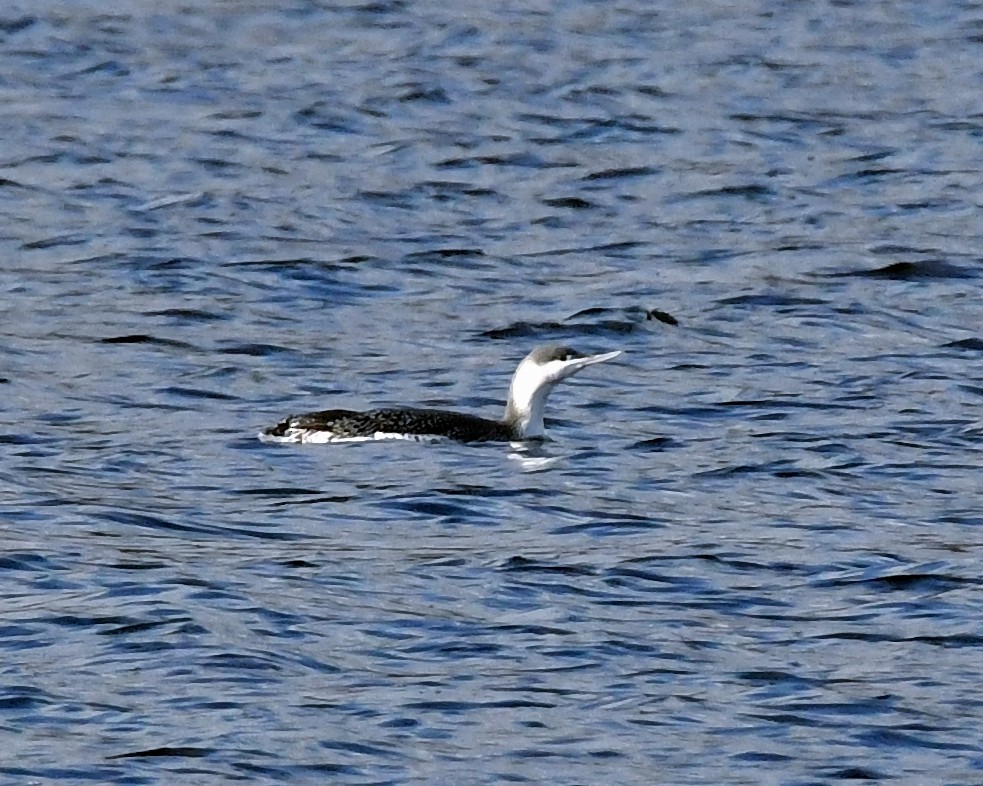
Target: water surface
x=751, y=553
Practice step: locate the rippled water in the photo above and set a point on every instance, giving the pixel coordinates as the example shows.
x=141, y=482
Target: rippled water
x=751, y=554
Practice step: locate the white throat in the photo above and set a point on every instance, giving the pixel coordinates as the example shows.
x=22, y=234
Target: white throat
x=527, y=399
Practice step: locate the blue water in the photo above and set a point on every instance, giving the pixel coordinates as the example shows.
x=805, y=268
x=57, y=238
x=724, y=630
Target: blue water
x=751, y=553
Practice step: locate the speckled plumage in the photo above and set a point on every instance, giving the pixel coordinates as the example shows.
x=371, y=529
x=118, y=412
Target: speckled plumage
x=402, y=423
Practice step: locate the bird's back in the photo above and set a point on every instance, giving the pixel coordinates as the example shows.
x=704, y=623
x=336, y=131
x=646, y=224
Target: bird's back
x=337, y=425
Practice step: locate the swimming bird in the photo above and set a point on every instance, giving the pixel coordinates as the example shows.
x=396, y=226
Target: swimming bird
x=532, y=383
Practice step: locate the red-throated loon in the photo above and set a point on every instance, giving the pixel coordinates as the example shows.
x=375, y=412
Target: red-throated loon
x=533, y=381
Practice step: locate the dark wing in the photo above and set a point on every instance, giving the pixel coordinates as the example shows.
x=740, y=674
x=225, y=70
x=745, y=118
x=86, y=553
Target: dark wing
x=440, y=423
x=345, y=423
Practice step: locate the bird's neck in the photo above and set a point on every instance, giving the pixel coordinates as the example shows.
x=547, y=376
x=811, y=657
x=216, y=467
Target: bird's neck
x=524, y=410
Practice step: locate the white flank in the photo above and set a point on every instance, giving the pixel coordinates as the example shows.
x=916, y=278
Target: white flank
x=322, y=437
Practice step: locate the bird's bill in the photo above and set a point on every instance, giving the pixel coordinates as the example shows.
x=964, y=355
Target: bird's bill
x=576, y=364
x=589, y=360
